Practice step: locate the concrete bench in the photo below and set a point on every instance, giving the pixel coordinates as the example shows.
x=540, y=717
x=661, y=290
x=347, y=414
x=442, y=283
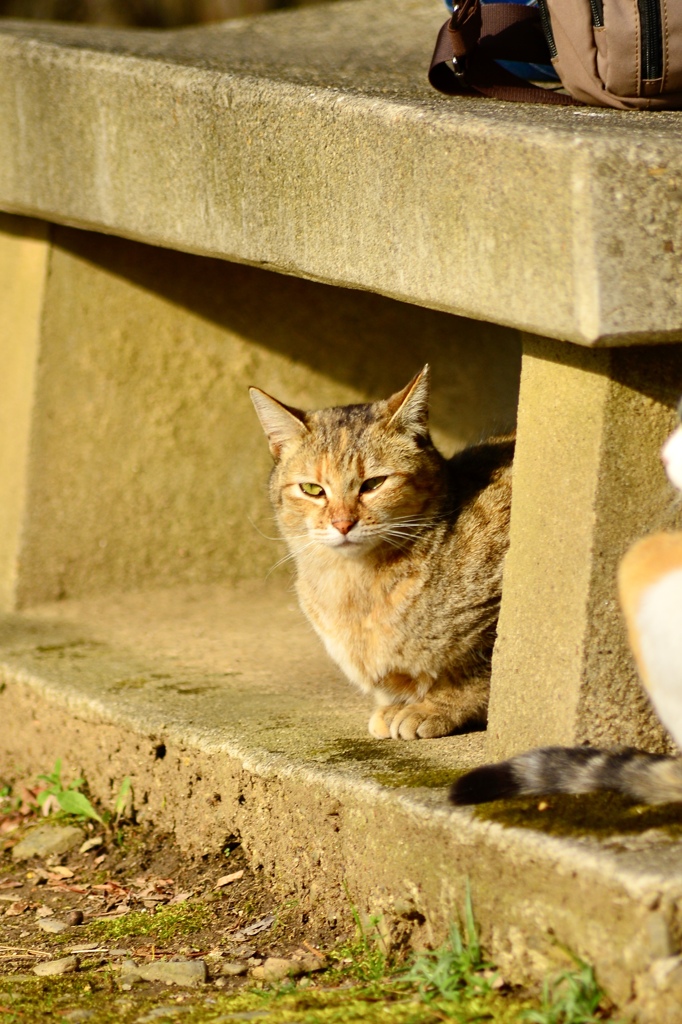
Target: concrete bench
x=284, y=201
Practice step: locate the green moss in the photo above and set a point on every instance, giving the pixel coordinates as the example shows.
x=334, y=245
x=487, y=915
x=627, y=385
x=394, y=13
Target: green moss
x=430, y=778
x=163, y=926
x=339, y=1006
x=394, y=765
x=594, y=814
x=31, y=1000
x=26, y=999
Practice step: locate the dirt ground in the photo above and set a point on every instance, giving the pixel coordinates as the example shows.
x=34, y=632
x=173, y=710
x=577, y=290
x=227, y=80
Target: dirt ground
x=136, y=931
x=127, y=893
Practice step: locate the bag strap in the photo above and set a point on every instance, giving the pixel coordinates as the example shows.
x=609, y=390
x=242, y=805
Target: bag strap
x=475, y=37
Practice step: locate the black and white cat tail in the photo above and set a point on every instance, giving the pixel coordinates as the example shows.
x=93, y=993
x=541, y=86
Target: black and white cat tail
x=646, y=778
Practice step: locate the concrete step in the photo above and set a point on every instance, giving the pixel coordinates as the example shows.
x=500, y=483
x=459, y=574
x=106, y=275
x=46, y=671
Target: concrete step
x=310, y=142
x=222, y=707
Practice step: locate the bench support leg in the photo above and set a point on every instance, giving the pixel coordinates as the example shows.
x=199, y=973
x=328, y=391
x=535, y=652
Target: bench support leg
x=24, y=259
x=587, y=482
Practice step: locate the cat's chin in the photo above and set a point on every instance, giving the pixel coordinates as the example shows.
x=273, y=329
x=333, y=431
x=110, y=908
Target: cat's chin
x=347, y=547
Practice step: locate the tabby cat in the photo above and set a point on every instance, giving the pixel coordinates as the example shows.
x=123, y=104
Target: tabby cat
x=650, y=590
x=398, y=552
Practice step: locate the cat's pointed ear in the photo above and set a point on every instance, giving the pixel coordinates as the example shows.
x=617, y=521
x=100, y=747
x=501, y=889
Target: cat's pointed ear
x=409, y=408
x=281, y=423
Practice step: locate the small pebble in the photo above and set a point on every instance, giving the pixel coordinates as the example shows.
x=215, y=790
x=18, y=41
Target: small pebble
x=310, y=964
x=52, y=925
x=172, y=972
x=277, y=969
x=48, y=840
x=67, y=965
x=245, y=951
x=233, y=970
x=163, y=1012
x=244, y=1015
x=75, y=917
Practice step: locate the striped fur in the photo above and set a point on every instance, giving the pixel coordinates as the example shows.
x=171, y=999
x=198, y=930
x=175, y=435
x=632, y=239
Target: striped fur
x=647, y=778
x=650, y=591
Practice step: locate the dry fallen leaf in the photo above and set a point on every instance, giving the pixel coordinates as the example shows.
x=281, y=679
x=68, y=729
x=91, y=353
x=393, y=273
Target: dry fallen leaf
x=50, y=805
x=180, y=897
x=59, y=871
x=91, y=844
x=261, y=925
x=15, y=909
x=226, y=879
x=118, y=911
x=44, y=912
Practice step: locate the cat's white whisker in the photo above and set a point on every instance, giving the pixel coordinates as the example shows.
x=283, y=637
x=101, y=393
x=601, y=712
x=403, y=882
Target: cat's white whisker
x=259, y=531
x=279, y=537
x=290, y=556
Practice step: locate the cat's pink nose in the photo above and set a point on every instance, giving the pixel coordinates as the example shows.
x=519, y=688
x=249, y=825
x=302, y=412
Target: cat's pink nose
x=344, y=526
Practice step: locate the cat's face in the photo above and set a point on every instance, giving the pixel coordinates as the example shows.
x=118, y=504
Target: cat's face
x=355, y=477
x=671, y=454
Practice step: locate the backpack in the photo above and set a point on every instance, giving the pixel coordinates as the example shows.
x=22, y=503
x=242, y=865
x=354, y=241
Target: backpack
x=609, y=53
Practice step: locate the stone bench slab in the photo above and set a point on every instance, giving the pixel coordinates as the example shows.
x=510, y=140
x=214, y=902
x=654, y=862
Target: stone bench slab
x=309, y=142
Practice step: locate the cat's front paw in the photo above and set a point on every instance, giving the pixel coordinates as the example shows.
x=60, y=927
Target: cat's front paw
x=410, y=722
x=378, y=726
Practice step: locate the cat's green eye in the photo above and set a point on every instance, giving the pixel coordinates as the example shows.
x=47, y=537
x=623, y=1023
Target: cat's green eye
x=314, y=490
x=372, y=484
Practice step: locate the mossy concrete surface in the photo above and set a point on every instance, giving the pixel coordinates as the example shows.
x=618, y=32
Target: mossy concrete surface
x=130, y=454
x=223, y=710
x=309, y=141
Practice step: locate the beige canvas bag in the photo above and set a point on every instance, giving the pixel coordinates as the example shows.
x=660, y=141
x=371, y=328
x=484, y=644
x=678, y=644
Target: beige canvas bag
x=611, y=53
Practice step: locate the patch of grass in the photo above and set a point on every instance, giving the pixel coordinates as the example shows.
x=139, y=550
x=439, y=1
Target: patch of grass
x=358, y=960
x=570, y=997
x=362, y=958
x=121, y=801
x=457, y=968
x=454, y=982
x=165, y=925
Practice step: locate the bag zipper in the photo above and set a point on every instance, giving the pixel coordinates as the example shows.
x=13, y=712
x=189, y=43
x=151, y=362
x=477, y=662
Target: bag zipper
x=597, y=7
x=546, y=23
x=652, y=38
